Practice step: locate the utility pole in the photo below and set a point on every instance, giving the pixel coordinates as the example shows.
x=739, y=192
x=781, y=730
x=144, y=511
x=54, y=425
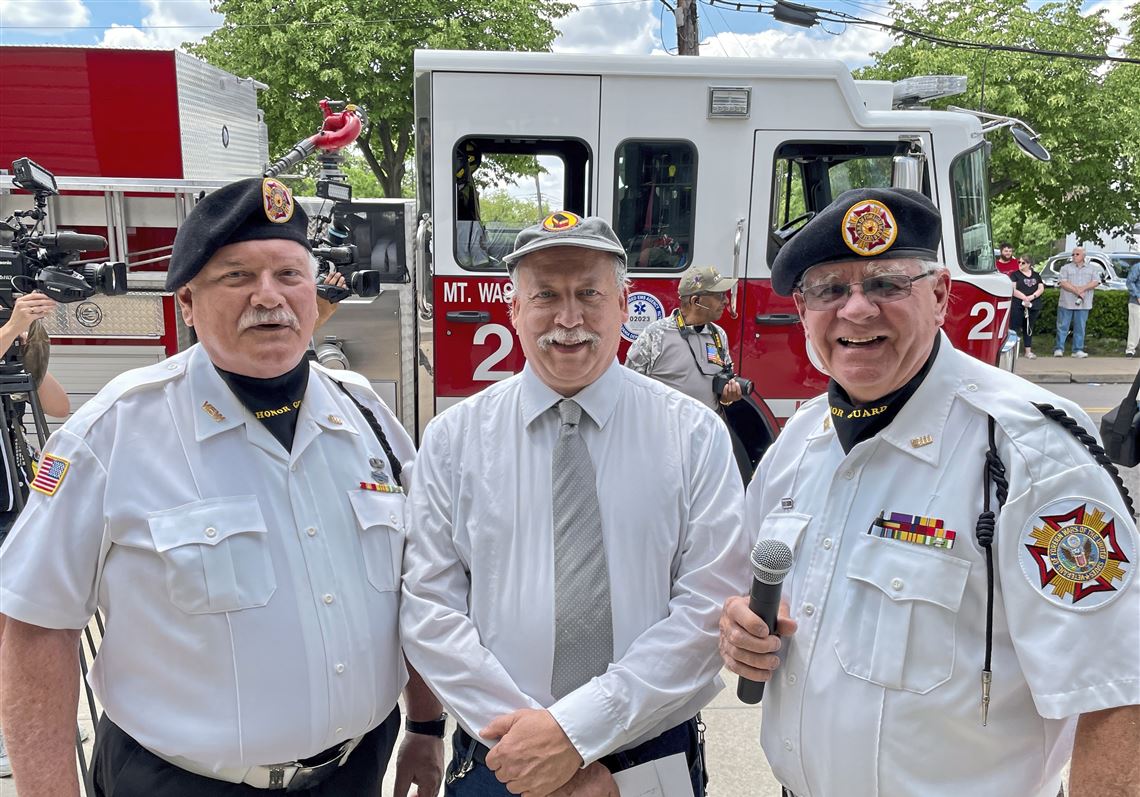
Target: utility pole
x=688, y=36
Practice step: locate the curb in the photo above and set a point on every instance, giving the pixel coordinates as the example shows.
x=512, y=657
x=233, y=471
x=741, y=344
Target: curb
x=1064, y=377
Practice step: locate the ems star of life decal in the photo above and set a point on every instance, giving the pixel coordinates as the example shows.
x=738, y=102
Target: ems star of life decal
x=1076, y=553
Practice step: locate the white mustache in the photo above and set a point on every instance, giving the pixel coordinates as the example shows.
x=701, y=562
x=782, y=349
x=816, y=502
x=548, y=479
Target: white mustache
x=278, y=315
x=567, y=337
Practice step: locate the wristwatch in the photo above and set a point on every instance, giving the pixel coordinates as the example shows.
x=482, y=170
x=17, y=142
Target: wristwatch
x=435, y=728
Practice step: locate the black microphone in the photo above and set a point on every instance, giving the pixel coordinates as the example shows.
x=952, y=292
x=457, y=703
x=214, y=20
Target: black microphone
x=771, y=561
x=71, y=242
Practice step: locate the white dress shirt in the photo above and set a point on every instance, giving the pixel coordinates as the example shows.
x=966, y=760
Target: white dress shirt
x=879, y=694
x=478, y=608
x=250, y=593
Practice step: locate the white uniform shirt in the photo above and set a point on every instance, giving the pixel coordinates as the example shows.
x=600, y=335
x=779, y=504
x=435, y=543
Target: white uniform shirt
x=250, y=594
x=880, y=689
x=478, y=608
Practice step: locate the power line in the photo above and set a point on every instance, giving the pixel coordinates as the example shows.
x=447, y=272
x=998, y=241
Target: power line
x=842, y=17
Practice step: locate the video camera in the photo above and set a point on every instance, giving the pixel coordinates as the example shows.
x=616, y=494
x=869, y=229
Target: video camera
x=31, y=260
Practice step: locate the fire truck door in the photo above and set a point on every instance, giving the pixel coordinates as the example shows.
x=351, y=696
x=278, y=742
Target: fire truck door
x=795, y=175
x=487, y=130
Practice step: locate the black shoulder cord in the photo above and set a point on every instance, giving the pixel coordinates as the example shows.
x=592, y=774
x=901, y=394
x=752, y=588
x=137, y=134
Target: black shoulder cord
x=377, y=430
x=994, y=473
x=1089, y=442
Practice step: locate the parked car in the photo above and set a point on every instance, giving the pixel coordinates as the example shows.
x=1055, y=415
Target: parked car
x=1123, y=262
x=1107, y=268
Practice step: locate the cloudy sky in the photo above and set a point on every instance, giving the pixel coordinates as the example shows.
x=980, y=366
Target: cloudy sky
x=599, y=26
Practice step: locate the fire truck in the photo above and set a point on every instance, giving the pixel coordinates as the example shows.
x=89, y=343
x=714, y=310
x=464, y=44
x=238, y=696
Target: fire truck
x=694, y=161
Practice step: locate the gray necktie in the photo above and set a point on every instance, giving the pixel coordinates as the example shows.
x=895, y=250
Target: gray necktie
x=583, y=628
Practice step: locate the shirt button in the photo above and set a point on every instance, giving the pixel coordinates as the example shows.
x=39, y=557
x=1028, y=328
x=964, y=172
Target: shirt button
x=392, y=517
x=792, y=678
x=788, y=745
x=339, y=669
x=339, y=731
x=293, y=467
x=896, y=583
x=809, y=609
x=311, y=531
x=328, y=598
x=211, y=532
x=971, y=387
x=172, y=367
x=827, y=544
x=848, y=474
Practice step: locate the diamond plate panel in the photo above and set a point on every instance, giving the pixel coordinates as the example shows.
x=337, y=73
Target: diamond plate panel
x=136, y=315
x=221, y=126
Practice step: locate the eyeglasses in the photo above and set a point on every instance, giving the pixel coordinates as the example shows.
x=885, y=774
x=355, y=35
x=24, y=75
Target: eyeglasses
x=880, y=289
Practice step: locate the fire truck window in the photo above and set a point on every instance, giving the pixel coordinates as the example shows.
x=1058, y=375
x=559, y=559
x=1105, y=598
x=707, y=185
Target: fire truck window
x=503, y=186
x=808, y=175
x=653, y=202
x=970, y=184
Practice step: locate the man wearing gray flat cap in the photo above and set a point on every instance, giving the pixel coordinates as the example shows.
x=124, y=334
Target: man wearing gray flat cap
x=237, y=516
x=572, y=532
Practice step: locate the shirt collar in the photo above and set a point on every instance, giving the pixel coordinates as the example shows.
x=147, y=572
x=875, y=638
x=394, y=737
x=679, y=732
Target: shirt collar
x=219, y=410
x=919, y=428
x=598, y=399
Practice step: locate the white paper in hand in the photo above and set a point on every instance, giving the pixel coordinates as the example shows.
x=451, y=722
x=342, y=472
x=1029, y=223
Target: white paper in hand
x=665, y=777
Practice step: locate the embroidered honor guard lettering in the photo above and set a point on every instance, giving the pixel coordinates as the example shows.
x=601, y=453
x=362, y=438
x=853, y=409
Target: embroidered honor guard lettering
x=919, y=442
x=49, y=475
x=381, y=488
x=913, y=529
x=212, y=411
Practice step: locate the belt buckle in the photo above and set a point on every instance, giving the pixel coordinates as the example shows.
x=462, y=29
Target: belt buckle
x=307, y=777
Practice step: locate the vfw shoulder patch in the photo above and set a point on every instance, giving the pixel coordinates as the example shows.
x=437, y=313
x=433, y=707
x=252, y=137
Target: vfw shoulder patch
x=49, y=475
x=1077, y=554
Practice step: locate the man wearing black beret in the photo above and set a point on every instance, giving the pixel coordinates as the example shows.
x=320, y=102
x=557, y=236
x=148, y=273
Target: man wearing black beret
x=958, y=548
x=236, y=514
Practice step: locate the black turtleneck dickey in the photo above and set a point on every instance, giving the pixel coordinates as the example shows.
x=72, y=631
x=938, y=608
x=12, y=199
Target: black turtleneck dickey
x=273, y=401
x=855, y=423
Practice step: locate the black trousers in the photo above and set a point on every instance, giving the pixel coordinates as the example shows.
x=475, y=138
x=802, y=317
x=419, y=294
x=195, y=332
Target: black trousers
x=124, y=768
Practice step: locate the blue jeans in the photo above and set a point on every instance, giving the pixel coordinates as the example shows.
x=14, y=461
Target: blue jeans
x=1076, y=319
x=481, y=782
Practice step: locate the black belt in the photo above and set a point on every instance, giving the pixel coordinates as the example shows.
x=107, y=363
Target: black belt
x=677, y=739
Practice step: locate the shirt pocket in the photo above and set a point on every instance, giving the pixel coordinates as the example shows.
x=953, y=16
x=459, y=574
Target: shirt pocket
x=216, y=554
x=380, y=517
x=900, y=614
x=787, y=527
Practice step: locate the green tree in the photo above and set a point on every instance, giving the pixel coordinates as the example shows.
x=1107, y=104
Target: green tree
x=1080, y=108
x=361, y=51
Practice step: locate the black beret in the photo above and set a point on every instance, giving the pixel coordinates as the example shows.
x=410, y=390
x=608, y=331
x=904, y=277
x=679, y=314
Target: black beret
x=861, y=224
x=255, y=209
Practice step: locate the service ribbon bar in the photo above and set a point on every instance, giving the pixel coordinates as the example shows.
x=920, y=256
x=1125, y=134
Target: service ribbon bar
x=913, y=529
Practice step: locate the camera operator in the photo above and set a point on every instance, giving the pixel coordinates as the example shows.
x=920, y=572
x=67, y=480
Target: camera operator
x=27, y=311
x=687, y=350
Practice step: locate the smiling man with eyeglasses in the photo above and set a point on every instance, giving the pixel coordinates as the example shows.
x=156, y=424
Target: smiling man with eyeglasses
x=952, y=530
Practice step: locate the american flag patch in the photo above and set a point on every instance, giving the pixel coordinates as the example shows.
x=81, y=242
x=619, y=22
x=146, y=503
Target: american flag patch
x=913, y=529
x=49, y=475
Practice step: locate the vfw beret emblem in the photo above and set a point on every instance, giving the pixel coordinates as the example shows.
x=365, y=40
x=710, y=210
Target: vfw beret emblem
x=562, y=220
x=277, y=200
x=869, y=228
x=1076, y=553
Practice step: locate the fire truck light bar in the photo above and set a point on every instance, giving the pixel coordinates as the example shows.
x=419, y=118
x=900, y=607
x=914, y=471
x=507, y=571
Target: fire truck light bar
x=730, y=102
x=924, y=88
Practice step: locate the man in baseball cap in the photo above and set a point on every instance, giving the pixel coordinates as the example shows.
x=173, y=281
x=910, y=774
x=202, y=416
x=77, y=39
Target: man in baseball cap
x=236, y=515
x=522, y=542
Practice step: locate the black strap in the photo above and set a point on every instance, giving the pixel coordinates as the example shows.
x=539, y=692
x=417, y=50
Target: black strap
x=377, y=430
x=1089, y=442
x=992, y=475
x=1122, y=424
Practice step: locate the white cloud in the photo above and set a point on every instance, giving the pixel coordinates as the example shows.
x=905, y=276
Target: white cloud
x=1114, y=15
x=630, y=29
x=166, y=25
x=853, y=46
x=58, y=14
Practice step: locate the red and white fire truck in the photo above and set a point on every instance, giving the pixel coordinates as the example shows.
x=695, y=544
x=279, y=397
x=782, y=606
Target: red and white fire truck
x=707, y=161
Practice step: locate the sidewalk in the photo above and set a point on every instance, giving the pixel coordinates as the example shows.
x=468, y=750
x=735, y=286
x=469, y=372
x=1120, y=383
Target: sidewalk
x=1048, y=369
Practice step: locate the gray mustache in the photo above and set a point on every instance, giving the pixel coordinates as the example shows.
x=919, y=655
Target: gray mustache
x=567, y=337
x=278, y=315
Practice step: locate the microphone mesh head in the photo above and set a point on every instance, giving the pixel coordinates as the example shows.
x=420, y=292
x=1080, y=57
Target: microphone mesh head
x=771, y=561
